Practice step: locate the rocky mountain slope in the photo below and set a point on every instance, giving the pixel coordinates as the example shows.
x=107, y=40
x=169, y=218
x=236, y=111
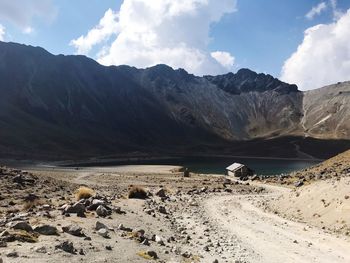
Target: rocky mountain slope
x=71, y=104
x=327, y=111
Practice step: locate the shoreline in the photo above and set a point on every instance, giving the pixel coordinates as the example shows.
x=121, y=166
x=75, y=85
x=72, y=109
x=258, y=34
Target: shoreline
x=154, y=160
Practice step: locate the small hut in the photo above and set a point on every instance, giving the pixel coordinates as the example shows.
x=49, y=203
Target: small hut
x=238, y=170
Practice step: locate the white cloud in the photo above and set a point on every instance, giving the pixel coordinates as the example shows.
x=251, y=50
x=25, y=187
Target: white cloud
x=146, y=33
x=21, y=13
x=337, y=13
x=2, y=32
x=28, y=30
x=323, y=57
x=107, y=26
x=316, y=10
x=224, y=58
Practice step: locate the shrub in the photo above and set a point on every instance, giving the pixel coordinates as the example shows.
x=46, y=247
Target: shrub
x=84, y=192
x=31, y=201
x=137, y=192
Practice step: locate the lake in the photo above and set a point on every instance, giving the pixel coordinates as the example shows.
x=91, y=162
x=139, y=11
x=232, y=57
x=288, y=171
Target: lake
x=260, y=166
x=217, y=165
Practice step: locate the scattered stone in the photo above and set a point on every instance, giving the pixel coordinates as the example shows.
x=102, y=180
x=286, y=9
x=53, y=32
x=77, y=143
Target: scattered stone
x=298, y=183
x=3, y=244
x=74, y=230
x=100, y=225
x=123, y=228
x=46, y=230
x=145, y=242
x=40, y=250
x=21, y=225
x=102, y=211
x=67, y=247
x=162, y=210
x=77, y=208
x=13, y=254
x=159, y=240
x=103, y=233
x=161, y=193
x=152, y=254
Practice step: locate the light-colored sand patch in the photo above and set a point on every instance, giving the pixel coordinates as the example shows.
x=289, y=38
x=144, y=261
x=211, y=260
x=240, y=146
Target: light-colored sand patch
x=147, y=169
x=323, y=204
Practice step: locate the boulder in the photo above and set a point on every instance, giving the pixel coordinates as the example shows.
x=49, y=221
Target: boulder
x=100, y=225
x=77, y=208
x=46, y=230
x=74, y=230
x=103, y=233
x=102, y=211
x=21, y=225
x=66, y=246
x=161, y=192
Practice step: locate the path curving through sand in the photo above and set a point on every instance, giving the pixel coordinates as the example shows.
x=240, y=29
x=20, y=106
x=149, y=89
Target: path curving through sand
x=272, y=238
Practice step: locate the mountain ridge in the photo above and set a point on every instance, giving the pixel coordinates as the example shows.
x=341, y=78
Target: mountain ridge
x=73, y=104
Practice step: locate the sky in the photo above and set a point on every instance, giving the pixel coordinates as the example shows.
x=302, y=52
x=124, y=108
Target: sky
x=305, y=42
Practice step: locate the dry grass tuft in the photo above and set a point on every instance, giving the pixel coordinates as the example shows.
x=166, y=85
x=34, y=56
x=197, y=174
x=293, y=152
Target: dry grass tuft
x=31, y=201
x=84, y=192
x=147, y=255
x=137, y=192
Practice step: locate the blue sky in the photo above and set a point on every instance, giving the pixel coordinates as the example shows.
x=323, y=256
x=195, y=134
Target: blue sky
x=260, y=35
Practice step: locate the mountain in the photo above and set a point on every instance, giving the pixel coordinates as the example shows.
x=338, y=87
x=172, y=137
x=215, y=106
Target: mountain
x=73, y=106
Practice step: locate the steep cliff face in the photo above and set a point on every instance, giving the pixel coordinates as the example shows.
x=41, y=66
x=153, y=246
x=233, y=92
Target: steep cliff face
x=327, y=112
x=66, y=104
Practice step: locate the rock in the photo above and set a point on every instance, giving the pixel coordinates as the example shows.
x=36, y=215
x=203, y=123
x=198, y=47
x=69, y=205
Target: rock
x=46, y=230
x=3, y=244
x=162, y=210
x=40, y=250
x=67, y=247
x=149, y=211
x=74, y=230
x=103, y=233
x=152, y=254
x=108, y=247
x=95, y=204
x=77, y=208
x=100, y=225
x=159, y=240
x=118, y=210
x=216, y=261
x=161, y=193
x=21, y=225
x=145, y=242
x=123, y=228
x=13, y=254
x=299, y=183
x=102, y=211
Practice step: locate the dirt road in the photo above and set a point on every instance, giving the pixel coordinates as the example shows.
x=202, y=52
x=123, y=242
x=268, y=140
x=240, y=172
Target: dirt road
x=272, y=238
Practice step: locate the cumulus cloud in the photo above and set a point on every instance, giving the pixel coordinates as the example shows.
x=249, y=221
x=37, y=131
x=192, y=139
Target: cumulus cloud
x=21, y=13
x=323, y=57
x=224, y=58
x=2, y=32
x=144, y=33
x=107, y=26
x=316, y=10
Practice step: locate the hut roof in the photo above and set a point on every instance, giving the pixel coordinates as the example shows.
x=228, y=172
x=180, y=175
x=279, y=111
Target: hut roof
x=235, y=166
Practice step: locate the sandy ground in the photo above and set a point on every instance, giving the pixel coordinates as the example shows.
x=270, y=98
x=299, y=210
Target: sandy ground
x=272, y=238
x=325, y=204
x=207, y=218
